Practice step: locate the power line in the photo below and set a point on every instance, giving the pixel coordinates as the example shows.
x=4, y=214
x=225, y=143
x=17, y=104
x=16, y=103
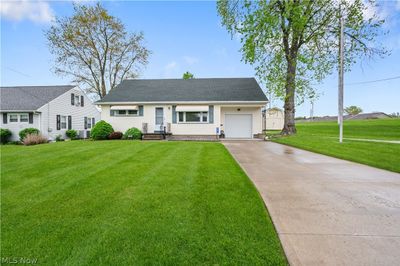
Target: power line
x=373, y=81
x=18, y=72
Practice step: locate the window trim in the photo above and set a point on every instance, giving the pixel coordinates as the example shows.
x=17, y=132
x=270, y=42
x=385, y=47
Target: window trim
x=126, y=113
x=77, y=100
x=18, y=115
x=61, y=122
x=27, y=118
x=202, y=113
x=9, y=118
x=89, y=122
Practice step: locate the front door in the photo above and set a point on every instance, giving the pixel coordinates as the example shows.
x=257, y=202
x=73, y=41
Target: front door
x=159, y=126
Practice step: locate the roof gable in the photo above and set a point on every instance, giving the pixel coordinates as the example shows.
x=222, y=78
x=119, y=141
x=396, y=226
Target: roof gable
x=29, y=98
x=180, y=90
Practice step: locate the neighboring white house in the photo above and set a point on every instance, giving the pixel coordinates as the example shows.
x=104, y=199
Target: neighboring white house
x=274, y=119
x=51, y=109
x=195, y=107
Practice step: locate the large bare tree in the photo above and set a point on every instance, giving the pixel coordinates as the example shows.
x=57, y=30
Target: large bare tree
x=95, y=49
x=293, y=43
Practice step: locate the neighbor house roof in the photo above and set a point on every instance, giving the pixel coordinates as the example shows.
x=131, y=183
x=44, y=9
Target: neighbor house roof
x=192, y=90
x=29, y=98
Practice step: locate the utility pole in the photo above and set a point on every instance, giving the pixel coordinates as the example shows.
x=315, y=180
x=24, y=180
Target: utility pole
x=340, y=91
x=270, y=99
x=312, y=111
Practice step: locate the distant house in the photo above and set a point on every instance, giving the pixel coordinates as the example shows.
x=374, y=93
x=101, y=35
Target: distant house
x=274, y=119
x=51, y=109
x=374, y=115
x=202, y=108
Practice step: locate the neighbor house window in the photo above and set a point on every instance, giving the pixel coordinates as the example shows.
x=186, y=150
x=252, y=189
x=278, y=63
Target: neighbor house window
x=125, y=112
x=13, y=118
x=23, y=118
x=89, y=122
x=77, y=102
x=193, y=117
x=63, y=122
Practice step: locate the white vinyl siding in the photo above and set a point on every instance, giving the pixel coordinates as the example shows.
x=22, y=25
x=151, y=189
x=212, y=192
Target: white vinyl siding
x=122, y=123
x=17, y=126
x=62, y=106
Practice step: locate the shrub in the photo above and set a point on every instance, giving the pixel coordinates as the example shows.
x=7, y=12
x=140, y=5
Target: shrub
x=133, y=133
x=26, y=131
x=5, y=135
x=33, y=139
x=71, y=133
x=59, y=138
x=101, y=130
x=115, y=135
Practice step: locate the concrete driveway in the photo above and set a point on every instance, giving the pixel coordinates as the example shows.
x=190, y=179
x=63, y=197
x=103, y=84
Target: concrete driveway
x=326, y=211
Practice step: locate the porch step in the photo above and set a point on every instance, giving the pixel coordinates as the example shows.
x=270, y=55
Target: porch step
x=152, y=136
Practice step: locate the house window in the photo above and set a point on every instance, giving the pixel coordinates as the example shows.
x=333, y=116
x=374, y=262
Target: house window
x=77, y=102
x=89, y=122
x=23, y=118
x=13, y=118
x=63, y=122
x=193, y=117
x=125, y=112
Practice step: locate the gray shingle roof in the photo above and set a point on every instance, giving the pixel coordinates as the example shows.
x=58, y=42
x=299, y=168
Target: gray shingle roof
x=178, y=90
x=29, y=98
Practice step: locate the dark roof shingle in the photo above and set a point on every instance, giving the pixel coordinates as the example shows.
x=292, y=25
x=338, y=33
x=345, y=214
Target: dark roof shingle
x=178, y=90
x=29, y=98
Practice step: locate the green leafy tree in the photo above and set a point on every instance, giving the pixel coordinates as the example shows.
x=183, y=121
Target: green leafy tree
x=353, y=110
x=95, y=49
x=293, y=43
x=188, y=75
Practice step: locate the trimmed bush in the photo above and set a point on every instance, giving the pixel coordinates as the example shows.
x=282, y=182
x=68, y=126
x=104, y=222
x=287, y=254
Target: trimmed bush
x=33, y=139
x=26, y=131
x=133, y=133
x=59, y=138
x=71, y=133
x=115, y=135
x=101, y=130
x=5, y=135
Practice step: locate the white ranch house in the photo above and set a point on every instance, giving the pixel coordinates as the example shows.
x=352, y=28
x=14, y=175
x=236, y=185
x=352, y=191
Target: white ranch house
x=195, y=108
x=51, y=109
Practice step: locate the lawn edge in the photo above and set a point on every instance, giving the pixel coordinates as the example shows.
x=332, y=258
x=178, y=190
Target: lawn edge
x=266, y=210
x=334, y=156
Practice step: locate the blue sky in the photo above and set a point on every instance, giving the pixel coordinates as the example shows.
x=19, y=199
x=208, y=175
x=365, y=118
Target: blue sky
x=187, y=36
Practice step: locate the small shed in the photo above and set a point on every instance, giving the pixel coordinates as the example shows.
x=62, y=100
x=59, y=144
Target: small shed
x=273, y=119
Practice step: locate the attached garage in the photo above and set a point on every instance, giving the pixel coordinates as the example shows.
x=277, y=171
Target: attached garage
x=238, y=126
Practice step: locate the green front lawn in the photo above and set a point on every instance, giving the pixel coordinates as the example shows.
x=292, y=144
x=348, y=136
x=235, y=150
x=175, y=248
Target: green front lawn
x=130, y=203
x=322, y=137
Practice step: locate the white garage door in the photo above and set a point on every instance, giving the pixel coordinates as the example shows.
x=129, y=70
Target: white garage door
x=238, y=126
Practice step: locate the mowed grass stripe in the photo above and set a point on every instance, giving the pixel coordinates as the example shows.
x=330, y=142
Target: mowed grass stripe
x=135, y=203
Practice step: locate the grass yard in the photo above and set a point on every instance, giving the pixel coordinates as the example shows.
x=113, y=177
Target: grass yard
x=132, y=203
x=322, y=137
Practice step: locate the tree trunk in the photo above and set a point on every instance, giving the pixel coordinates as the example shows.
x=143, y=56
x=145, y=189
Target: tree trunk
x=103, y=86
x=289, y=126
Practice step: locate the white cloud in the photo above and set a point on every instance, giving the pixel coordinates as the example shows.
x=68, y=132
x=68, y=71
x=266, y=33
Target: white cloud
x=190, y=60
x=36, y=11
